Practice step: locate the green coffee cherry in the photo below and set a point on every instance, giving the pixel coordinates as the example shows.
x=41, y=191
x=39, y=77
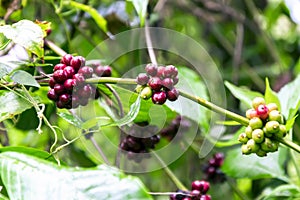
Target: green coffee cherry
x=266, y=133
x=252, y=146
x=261, y=153
x=269, y=145
x=282, y=131
x=248, y=132
x=272, y=127
x=243, y=138
x=275, y=115
x=245, y=149
x=258, y=136
x=255, y=123
x=146, y=93
x=139, y=88
x=272, y=106
x=258, y=101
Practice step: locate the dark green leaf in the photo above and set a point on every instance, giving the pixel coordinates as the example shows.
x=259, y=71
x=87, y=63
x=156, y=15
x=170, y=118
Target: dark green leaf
x=24, y=78
x=290, y=98
x=97, y=121
x=270, y=95
x=27, y=177
x=11, y=105
x=72, y=119
x=27, y=34
x=251, y=166
x=243, y=94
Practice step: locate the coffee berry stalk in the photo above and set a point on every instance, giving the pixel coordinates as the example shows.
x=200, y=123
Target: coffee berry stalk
x=266, y=126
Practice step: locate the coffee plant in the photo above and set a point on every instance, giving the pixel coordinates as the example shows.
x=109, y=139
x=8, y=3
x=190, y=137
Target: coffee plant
x=139, y=99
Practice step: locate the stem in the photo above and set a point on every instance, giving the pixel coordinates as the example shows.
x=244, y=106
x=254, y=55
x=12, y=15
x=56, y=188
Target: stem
x=149, y=44
x=289, y=144
x=112, y=80
x=94, y=142
x=117, y=98
x=170, y=173
x=242, y=120
x=55, y=48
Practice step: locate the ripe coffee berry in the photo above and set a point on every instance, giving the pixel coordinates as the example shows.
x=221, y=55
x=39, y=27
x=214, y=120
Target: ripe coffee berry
x=151, y=69
x=69, y=88
x=66, y=59
x=142, y=79
x=168, y=83
x=59, y=66
x=262, y=111
x=155, y=83
x=159, y=97
x=59, y=76
x=52, y=95
x=86, y=71
x=107, y=71
x=170, y=71
x=172, y=94
x=200, y=185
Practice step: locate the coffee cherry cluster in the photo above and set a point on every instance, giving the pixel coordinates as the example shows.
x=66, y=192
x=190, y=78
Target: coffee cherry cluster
x=198, y=192
x=158, y=83
x=172, y=130
x=266, y=124
x=136, y=142
x=212, y=169
x=68, y=87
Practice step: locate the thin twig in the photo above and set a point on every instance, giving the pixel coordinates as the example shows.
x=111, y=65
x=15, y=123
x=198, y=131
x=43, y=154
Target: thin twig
x=94, y=142
x=116, y=95
x=55, y=48
x=149, y=44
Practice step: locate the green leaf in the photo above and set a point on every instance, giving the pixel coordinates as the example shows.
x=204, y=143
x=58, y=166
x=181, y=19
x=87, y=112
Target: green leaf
x=11, y=105
x=4, y=45
x=141, y=8
x=270, y=95
x=290, y=123
x=193, y=85
x=99, y=19
x=4, y=70
x=27, y=177
x=288, y=190
x=72, y=119
x=24, y=78
x=290, y=98
x=243, y=94
x=29, y=151
x=27, y=34
x=94, y=122
x=130, y=116
x=251, y=166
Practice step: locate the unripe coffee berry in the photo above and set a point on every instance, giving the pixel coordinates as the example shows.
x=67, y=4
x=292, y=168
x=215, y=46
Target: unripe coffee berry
x=248, y=131
x=243, y=138
x=251, y=113
x=255, y=123
x=272, y=106
x=258, y=101
x=282, y=131
x=272, y=126
x=261, y=153
x=252, y=146
x=245, y=149
x=275, y=115
x=258, y=135
x=146, y=93
x=269, y=145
